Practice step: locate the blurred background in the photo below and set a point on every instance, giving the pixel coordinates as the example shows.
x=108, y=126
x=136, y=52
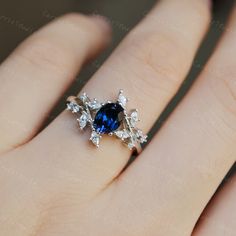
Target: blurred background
x=19, y=19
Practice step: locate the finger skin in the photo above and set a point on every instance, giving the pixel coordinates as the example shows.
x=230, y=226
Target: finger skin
x=68, y=175
x=147, y=69
x=38, y=72
x=219, y=217
x=191, y=154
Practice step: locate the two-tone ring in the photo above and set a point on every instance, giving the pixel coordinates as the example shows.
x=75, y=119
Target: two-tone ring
x=109, y=118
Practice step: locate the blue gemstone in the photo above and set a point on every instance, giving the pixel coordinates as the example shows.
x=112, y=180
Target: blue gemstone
x=108, y=118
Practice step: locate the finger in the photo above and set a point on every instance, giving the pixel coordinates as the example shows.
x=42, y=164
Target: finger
x=192, y=153
x=219, y=217
x=39, y=71
x=149, y=65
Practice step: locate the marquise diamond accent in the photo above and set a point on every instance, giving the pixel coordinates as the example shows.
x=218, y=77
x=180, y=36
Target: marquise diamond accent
x=122, y=99
x=134, y=118
x=83, y=120
x=122, y=134
x=95, y=138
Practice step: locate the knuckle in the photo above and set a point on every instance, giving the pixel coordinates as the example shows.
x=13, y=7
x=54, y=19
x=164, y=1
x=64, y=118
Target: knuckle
x=222, y=84
x=166, y=57
x=46, y=53
x=51, y=49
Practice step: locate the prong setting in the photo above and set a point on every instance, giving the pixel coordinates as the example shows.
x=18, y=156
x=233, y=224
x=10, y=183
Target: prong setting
x=86, y=110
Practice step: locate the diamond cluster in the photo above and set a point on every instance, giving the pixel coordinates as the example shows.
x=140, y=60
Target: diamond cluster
x=107, y=118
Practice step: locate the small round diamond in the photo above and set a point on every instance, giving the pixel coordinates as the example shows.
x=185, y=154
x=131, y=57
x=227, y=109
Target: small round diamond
x=83, y=120
x=131, y=146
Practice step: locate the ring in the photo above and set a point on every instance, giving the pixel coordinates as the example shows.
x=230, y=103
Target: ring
x=110, y=118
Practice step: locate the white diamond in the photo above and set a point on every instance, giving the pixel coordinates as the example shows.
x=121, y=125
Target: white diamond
x=134, y=118
x=122, y=99
x=119, y=133
x=142, y=138
x=73, y=107
x=83, y=120
x=94, y=105
x=139, y=133
x=131, y=146
x=95, y=138
x=126, y=134
x=83, y=97
x=69, y=106
x=123, y=134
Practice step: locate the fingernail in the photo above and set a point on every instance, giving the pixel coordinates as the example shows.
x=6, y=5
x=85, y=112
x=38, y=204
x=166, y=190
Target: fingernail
x=102, y=21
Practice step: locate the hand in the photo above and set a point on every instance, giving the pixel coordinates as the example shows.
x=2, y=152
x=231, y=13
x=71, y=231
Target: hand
x=53, y=182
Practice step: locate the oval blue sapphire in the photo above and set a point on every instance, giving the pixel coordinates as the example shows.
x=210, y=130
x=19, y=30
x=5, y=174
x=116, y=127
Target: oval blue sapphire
x=108, y=118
